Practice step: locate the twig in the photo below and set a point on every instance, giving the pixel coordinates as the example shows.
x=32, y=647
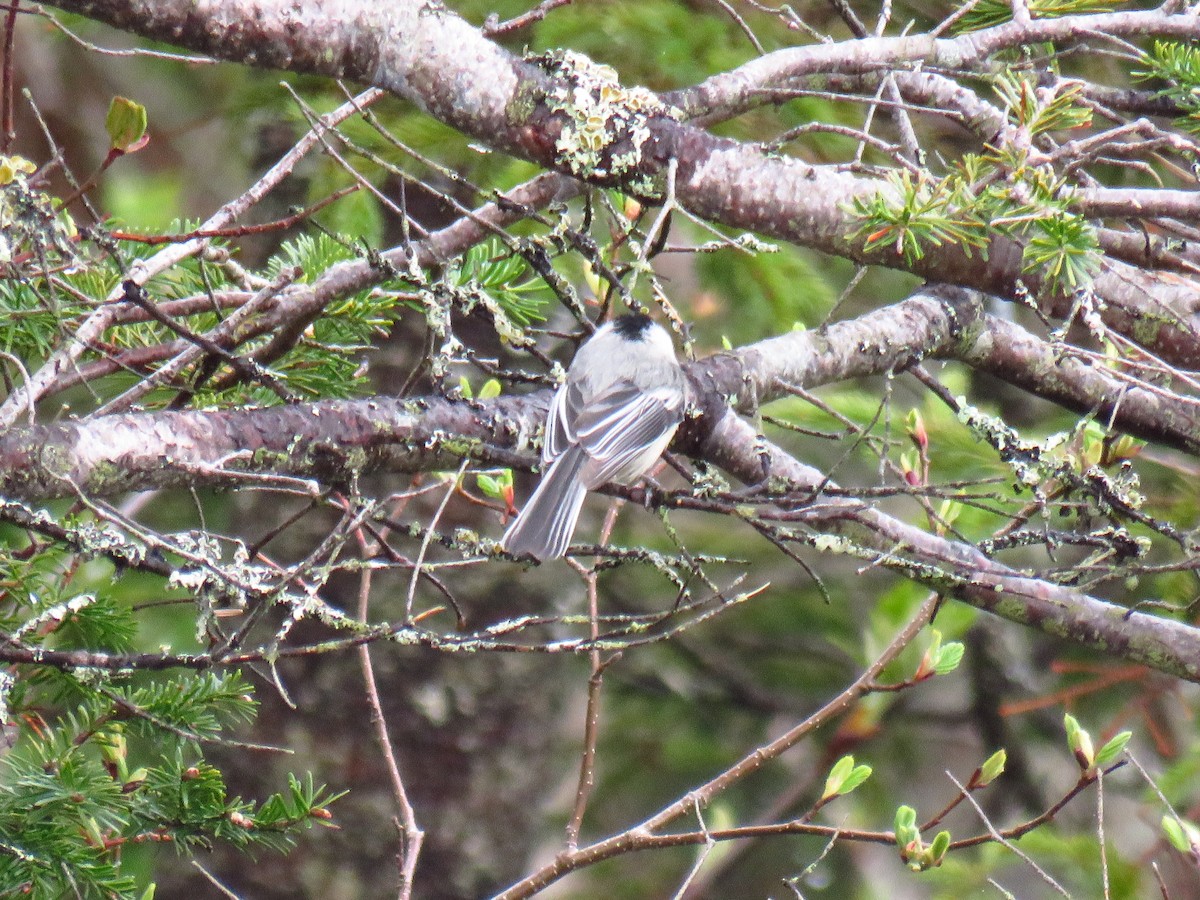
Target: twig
x=493, y=27
x=212, y=879
x=591, y=727
x=411, y=834
x=92, y=328
x=1002, y=840
x=429, y=532
x=642, y=835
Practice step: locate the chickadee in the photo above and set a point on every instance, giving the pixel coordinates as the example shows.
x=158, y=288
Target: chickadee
x=609, y=421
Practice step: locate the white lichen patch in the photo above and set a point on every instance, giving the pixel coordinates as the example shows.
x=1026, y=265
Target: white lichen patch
x=832, y=543
x=708, y=482
x=1122, y=484
x=214, y=582
x=99, y=540
x=54, y=616
x=606, y=123
x=1088, y=308
x=1034, y=463
x=1025, y=458
x=6, y=684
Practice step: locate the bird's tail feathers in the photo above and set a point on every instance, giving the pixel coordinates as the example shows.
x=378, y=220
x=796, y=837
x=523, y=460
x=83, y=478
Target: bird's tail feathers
x=545, y=526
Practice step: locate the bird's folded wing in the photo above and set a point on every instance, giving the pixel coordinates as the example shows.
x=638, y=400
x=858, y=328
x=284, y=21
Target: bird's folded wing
x=623, y=425
x=560, y=433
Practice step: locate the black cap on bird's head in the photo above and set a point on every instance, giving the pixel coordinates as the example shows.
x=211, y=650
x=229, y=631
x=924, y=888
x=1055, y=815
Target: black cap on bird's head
x=632, y=327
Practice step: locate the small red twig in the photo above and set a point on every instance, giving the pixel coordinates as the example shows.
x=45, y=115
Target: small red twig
x=239, y=230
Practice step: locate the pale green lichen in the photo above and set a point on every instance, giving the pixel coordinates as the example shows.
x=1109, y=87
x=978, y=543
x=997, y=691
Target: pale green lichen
x=708, y=482
x=1088, y=308
x=647, y=185
x=1023, y=457
x=832, y=543
x=454, y=444
x=213, y=582
x=606, y=123
x=101, y=540
x=1122, y=484
x=1036, y=462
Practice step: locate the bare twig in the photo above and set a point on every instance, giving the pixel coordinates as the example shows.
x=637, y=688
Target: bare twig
x=411, y=833
x=642, y=834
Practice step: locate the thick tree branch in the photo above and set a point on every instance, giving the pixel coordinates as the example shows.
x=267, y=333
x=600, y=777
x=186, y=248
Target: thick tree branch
x=969, y=51
x=335, y=442
x=436, y=59
x=1126, y=203
x=959, y=570
x=948, y=323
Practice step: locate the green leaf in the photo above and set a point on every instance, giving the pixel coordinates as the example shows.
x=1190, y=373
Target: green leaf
x=1039, y=109
x=914, y=214
x=948, y=658
x=859, y=775
x=1182, y=834
x=914, y=425
x=939, y=659
x=1064, y=248
x=1177, y=64
x=837, y=777
x=126, y=124
x=906, y=827
x=498, y=487
x=1113, y=748
x=992, y=768
x=1071, y=724
x=490, y=389
x=493, y=273
x=949, y=511
x=988, y=13
x=937, y=850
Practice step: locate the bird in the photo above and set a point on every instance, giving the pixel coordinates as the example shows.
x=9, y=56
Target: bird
x=610, y=421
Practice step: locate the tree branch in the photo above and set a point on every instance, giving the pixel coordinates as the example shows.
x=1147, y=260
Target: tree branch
x=957, y=569
x=436, y=59
x=337, y=441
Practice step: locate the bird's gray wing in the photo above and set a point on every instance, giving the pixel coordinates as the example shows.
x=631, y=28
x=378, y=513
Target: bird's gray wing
x=623, y=425
x=560, y=429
